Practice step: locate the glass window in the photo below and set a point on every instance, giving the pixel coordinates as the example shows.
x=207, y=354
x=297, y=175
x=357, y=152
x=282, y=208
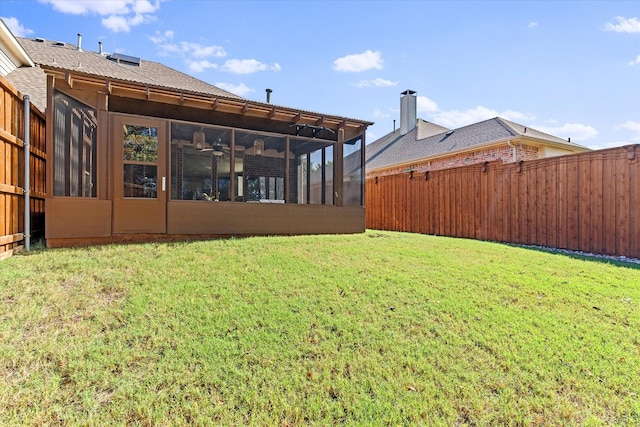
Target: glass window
x=139, y=159
x=75, y=152
x=353, y=178
x=200, y=162
x=263, y=167
x=314, y=172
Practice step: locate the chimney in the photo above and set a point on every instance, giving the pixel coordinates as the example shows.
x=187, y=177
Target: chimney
x=79, y=42
x=269, y=96
x=100, y=48
x=408, y=113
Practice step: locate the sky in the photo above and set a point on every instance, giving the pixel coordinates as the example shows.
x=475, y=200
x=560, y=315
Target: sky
x=568, y=68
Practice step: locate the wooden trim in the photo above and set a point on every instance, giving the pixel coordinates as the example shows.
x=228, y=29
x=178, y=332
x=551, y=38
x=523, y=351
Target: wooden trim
x=11, y=139
x=11, y=238
x=11, y=189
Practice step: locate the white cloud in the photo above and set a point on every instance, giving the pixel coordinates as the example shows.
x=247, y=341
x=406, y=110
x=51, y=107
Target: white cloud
x=624, y=25
x=83, y=7
x=185, y=49
x=199, y=51
x=456, y=118
x=248, y=66
x=635, y=61
x=356, y=63
x=200, y=66
x=161, y=37
x=380, y=115
x=116, y=23
x=240, y=90
x=121, y=15
x=575, y=131
x=16, y=27
x=532, y=25
x=377, y=82
x=425, y=104
x=633, y=127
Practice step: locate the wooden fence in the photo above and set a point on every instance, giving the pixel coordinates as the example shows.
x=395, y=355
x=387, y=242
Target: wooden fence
x=588, y=202
x=12, y=170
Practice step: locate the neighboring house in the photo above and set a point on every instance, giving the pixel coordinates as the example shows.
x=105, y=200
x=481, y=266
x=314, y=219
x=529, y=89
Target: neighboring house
x=12, y=55
x=420, y=146
x=138, y=151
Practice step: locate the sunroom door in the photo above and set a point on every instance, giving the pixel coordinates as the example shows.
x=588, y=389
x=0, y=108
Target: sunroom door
x=140, y=175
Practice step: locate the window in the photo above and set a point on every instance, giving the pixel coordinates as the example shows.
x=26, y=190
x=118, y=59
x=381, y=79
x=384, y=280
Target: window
x=352, y=180
x=263, y=167
x=139, y=160
x=74, y=151
x=314, y=172
x=200, y=162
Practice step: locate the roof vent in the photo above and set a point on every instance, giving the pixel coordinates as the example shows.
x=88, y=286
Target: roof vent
x=58, y=43
x=124, y=59
x=39, y=39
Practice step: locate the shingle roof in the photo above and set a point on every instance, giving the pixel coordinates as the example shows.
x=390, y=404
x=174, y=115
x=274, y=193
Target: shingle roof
x=66, y=56
x=394, y=148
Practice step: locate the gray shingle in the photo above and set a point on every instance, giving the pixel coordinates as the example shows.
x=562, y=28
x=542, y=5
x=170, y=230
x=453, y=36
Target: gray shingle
x=394, y=149
x=66, y=56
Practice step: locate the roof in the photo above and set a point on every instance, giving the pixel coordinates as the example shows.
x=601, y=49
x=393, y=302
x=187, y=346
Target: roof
x=63, y=58
x=394, y=148
x=66, y=56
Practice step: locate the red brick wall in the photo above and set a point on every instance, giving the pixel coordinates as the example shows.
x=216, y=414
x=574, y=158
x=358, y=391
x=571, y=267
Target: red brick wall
x=502, y=152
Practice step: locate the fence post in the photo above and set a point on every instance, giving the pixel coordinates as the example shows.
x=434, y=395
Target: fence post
x=27, y=174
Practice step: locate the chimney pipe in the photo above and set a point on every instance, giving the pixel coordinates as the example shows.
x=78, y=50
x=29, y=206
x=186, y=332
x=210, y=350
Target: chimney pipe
x=408, y=111
x=394, y=125
x=100, y=48
x=269, y=96
x=80, y=42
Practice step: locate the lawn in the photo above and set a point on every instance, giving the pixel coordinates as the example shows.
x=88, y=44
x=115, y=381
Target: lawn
x=374, y=329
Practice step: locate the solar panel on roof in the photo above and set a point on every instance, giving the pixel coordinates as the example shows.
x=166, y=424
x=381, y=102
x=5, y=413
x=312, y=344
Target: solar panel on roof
x=122, y=58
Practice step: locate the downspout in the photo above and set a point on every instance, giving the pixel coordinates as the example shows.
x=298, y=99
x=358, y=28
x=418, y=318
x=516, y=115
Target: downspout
x=27, y=173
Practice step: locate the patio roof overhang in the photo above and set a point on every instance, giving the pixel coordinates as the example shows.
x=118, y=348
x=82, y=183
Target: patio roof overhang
x=238, y=106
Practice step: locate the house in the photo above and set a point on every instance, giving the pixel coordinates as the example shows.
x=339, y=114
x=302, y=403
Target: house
x=420, y=146
x=138, y=151
x=12, y=55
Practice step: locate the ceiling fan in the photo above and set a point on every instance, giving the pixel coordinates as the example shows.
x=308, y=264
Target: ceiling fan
x=217, y=149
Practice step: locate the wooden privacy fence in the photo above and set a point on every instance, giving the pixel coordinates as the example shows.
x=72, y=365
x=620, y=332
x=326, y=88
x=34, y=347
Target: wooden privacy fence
x=12, y=170
x=588, y=202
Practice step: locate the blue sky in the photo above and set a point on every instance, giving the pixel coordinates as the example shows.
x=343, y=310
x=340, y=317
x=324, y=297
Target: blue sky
x=568, y=68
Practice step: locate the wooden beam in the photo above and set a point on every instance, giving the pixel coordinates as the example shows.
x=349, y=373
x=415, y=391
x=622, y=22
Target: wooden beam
x=245, y=108
x=107, y=84
x=68, y=79
x=272, y=114
x=297, y=117
x=12, y=238
x=148, y=93
x=320, y=121
x=215, y=104
x=11, y=139
x=11, y=189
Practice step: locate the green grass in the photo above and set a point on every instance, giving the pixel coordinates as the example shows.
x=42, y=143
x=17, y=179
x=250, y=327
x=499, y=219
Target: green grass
x=374, y=329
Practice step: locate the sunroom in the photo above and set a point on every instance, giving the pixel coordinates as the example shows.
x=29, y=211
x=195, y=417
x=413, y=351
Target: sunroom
x=133, y=162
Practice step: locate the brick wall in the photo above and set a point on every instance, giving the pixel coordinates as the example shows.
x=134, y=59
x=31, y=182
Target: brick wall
x=502, y=152
x=256, y=166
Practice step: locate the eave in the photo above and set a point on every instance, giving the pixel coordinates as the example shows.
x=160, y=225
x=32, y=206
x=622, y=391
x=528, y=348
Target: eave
x=239, y=106
x=503, y=141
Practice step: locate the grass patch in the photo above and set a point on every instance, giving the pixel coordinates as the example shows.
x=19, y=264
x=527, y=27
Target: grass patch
x=380, y=328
